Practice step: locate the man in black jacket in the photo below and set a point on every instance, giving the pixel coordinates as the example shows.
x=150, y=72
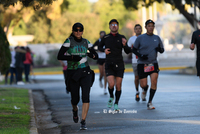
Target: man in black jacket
x=112, y=45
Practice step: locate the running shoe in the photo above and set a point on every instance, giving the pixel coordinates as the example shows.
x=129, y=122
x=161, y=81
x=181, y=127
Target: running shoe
x=116, y=107
x=83, y=125
x=150, y=106
x=137, y=97
x=100, y=84
x=75, y=116
x=110, y=102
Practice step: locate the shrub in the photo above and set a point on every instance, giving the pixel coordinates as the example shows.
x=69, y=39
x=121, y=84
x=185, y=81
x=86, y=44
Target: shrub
x=5, y=56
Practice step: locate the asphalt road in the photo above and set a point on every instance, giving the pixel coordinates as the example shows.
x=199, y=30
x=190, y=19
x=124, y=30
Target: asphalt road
x=176, y=100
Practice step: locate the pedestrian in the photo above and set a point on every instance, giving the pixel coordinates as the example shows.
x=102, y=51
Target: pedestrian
x=101, y=63
x=27, y=64
x=112, y=44
x=32, y=65
x=79, y=74
x=13, y=71
x=138, y=31
x=196, y=41
x=146, y=47
x=20, y=57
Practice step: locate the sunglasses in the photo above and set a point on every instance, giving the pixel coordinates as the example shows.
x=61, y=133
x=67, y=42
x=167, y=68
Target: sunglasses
x=113, y=25
x=76, y=30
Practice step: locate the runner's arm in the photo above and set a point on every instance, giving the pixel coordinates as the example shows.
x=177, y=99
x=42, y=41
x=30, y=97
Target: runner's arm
x=134, y=50
x=92, y=53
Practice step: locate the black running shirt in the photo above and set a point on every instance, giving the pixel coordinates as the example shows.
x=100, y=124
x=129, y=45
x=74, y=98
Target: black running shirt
x=196, y=40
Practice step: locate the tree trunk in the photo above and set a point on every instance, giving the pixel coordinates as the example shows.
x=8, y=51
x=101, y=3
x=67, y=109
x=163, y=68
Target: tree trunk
x=187, y=15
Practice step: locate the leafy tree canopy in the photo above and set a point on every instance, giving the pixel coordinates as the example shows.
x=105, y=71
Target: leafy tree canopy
x=26, y=3
x=176, y=4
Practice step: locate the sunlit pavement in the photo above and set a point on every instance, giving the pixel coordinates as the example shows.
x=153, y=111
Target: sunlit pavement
x=176, y=100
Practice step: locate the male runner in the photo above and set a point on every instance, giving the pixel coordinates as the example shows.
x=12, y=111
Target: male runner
x=146, y=47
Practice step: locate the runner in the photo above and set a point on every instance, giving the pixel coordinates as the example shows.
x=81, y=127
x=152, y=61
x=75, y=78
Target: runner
x=101, y=63
x=79, y=74
x=138, y=31
x=146, y=47
x=196, y=41
x=112, y=44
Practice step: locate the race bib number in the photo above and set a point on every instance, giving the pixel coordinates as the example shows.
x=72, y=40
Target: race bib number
x=148, y=68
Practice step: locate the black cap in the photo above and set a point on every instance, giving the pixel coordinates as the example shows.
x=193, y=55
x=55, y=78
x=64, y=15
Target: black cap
x=74, y=27
x=113, y=20
x=149, y=21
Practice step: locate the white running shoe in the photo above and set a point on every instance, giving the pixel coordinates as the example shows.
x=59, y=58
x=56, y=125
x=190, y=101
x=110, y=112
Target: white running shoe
x=150, y=106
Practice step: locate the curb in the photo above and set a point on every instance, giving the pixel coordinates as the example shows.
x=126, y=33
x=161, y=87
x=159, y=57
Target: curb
x=97, y=70
x=33, y=128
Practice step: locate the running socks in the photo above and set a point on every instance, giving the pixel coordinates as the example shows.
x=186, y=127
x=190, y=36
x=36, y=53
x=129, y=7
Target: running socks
x=111, y=92
x=152, y=92
x=117, y=96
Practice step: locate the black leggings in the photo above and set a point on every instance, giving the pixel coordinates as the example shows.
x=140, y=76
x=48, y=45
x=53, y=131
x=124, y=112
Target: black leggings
x=84, y=83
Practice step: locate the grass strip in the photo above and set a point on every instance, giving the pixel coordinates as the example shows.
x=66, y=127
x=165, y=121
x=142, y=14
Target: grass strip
x=14, y=111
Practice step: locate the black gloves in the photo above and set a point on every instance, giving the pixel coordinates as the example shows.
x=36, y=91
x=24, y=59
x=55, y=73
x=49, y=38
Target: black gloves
x=159, y=49
x=92, y=53
x=75, y=58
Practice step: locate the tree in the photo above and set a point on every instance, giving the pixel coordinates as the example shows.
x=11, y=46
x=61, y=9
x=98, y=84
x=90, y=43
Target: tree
x=5, y=56
x=176, y=4
x=11, y=18
x=26, y=3
x=108, y=10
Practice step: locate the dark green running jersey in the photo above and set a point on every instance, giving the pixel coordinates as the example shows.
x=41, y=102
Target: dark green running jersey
x=77, y=48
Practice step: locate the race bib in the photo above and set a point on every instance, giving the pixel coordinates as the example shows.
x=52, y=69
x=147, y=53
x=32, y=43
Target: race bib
x=148, y=68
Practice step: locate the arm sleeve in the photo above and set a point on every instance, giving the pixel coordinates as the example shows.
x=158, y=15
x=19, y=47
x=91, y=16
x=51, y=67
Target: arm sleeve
x=95, y=46
x=135, y=51
x=127, y=49
x=101, y=44
x=61, y=53
x=161, y=47
x=193, y=38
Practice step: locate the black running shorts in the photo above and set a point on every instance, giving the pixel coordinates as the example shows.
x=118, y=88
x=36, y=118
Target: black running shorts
x=115, y=69
x=100, y=61
x=143, y=74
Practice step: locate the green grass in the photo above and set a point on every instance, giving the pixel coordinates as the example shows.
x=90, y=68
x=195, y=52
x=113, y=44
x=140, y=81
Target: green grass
x=14, y=121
